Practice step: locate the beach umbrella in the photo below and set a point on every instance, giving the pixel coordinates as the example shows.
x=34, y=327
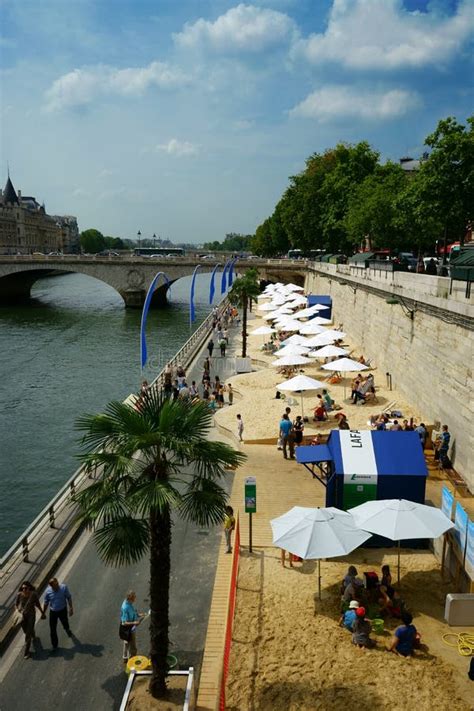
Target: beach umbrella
x=321, y=321
x=288, y=326
x=294, y=287
x=299, y=340
x=292, y=349
x=300, y=384
x=327, y=352
x=313, y=534
x=291, y=360
x=344, y=365
x=400, y=520
x=311, y=328
x=321, y=339
x=333, y=332
x=266, y=307
x=306, y=313
x=262, y=331
x=297, y=300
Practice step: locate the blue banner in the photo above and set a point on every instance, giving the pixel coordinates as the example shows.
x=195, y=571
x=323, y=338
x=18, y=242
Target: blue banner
x=231, y=271
x=212, y=288
x=146, y=306
x=224, y=276
x=192, y=313
x=460, y=526
x=470, y=550
x=447, y=500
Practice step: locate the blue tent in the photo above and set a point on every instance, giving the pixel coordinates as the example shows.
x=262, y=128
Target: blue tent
x=358, y=466
x=324, y=301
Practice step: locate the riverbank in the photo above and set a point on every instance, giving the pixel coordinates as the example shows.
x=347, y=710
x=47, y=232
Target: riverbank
x=289, y=654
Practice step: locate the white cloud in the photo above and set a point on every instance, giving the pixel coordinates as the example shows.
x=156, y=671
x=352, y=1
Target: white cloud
x=174, y=147
x=375, y=34
x=82, y=86
x=339, y=102
x=242, y=28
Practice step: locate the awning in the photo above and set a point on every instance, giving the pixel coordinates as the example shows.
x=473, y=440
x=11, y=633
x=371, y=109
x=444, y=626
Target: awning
x=314, y=453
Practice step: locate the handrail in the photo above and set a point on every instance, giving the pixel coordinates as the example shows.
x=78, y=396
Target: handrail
x=19, y=551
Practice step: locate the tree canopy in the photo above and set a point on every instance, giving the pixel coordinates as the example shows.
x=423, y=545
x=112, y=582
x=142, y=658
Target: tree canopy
x=92, y=241
x=345, y=196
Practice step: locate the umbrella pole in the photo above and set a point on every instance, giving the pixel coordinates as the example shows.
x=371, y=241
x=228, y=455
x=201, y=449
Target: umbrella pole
x=319, y=578
x=399, y=562
x=302, y=406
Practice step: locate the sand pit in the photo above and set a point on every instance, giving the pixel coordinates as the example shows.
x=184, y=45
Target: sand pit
x=289, y=653
x=261, y=411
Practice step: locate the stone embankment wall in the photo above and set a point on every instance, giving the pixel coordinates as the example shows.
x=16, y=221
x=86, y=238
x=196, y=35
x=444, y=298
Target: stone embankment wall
x=430, y=355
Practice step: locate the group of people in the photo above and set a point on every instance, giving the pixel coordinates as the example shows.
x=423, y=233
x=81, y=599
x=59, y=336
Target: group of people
x=363, y=389
x=357, y=596
x=59, y=601
x=290, y=433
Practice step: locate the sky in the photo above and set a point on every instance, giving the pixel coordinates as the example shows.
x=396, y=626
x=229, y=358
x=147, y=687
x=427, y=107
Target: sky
x=185, y=118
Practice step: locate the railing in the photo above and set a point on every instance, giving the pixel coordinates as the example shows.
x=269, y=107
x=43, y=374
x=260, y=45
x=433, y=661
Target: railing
x=230, y=615
x=19, y=552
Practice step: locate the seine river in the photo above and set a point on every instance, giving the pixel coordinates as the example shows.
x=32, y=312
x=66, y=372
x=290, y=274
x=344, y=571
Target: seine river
x=72, y=350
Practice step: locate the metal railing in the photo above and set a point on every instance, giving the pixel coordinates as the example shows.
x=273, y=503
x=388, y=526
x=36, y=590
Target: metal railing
x=46, y=520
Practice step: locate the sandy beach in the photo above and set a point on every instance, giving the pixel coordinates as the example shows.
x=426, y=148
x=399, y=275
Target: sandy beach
x=288, y=652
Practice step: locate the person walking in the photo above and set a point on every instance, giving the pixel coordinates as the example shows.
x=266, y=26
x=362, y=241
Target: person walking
x=210, y=347
x=26, y=602
x=130, y=618
x=229, y=526
x=287, y=437
x=59, y=600
x=230, y=393
x=240, y=428
x=222, y=346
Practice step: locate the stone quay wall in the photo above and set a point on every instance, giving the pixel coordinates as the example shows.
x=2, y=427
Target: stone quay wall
x=425, y=341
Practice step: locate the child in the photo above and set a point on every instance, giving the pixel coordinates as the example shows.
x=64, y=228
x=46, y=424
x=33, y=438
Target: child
x=240, y=427
x=229, y=525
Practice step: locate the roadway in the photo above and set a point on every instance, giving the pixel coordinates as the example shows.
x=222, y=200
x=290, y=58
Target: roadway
x=87, y=670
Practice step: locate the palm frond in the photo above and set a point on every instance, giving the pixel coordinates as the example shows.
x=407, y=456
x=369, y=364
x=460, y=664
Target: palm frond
x=102, y=501
x=153, y=495
x=122, y=541
x=211, y=458
x=204, y=503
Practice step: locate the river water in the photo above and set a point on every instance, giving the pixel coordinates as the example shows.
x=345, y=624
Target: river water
x=70, y=351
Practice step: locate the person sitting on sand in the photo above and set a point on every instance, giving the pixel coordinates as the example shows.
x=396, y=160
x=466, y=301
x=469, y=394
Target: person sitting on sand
x=404, y=637
x=348, y=617
x=361, y=629
x=354, y=591
x=343, y=423
x=349, y=577
x=386, y=580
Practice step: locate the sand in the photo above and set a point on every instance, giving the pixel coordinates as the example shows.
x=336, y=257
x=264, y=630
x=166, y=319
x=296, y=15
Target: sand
x=288, y=652
x=261, y=411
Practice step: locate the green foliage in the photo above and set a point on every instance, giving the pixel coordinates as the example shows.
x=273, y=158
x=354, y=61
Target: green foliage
x=233, y=242
x=243, y=291
x=92, y=241
x=345, y=195
x=153, y=461
x=114, y=243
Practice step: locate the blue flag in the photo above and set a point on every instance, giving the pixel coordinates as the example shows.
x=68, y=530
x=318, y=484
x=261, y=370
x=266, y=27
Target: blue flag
x=192, y=313
x=146, y=306
x=224, y=278
x=212, y=288
x=231, y=271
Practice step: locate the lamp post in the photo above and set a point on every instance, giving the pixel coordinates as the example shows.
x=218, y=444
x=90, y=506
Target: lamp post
x=139, y=235
x=154, y=240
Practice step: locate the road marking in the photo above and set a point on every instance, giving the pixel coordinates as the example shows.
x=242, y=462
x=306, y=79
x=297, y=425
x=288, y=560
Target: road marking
x=16, y=646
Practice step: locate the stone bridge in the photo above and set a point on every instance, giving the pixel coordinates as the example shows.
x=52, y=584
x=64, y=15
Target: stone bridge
x=130, y=276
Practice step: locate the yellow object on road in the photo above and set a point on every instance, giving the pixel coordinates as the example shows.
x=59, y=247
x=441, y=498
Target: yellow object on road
x=138, y=663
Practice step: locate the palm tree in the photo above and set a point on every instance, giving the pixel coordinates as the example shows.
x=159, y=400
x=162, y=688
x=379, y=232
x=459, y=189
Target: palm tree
x=155, y=461
x=243, y=291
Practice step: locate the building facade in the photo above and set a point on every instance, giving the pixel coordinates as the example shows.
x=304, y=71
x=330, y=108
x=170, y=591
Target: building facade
x=25, y=227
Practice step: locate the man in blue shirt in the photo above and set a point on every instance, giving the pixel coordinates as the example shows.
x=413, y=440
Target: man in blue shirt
x=58, y=599
x=287, y=437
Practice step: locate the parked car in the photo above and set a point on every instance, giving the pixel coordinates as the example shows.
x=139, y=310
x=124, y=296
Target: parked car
x=406, y=260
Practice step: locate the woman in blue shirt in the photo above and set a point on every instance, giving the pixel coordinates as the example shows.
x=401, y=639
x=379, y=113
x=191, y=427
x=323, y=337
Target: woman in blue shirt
x=130, y=617
x=404, y=637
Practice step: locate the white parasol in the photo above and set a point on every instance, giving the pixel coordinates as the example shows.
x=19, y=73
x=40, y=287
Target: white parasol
x=300, y=384
x=328, y=351
x=290, y=361
x=317, y=533
x=344, y=365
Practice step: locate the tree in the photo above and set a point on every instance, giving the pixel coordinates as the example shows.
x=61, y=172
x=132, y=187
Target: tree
x=445, y=182
x=372, y=210
x=243, y=291
x=92, y=241
x=155, y=461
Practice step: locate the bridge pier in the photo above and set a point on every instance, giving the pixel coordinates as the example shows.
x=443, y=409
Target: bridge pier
x=135, y=298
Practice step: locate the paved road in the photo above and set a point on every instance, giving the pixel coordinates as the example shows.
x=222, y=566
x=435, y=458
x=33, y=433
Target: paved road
x=86, y=672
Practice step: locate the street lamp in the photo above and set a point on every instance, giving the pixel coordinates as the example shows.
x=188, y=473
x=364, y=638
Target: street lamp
x=154, y=239
x=139, y=235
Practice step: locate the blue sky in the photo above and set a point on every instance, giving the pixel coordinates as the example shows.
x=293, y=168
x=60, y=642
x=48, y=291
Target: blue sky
x=185, y=118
